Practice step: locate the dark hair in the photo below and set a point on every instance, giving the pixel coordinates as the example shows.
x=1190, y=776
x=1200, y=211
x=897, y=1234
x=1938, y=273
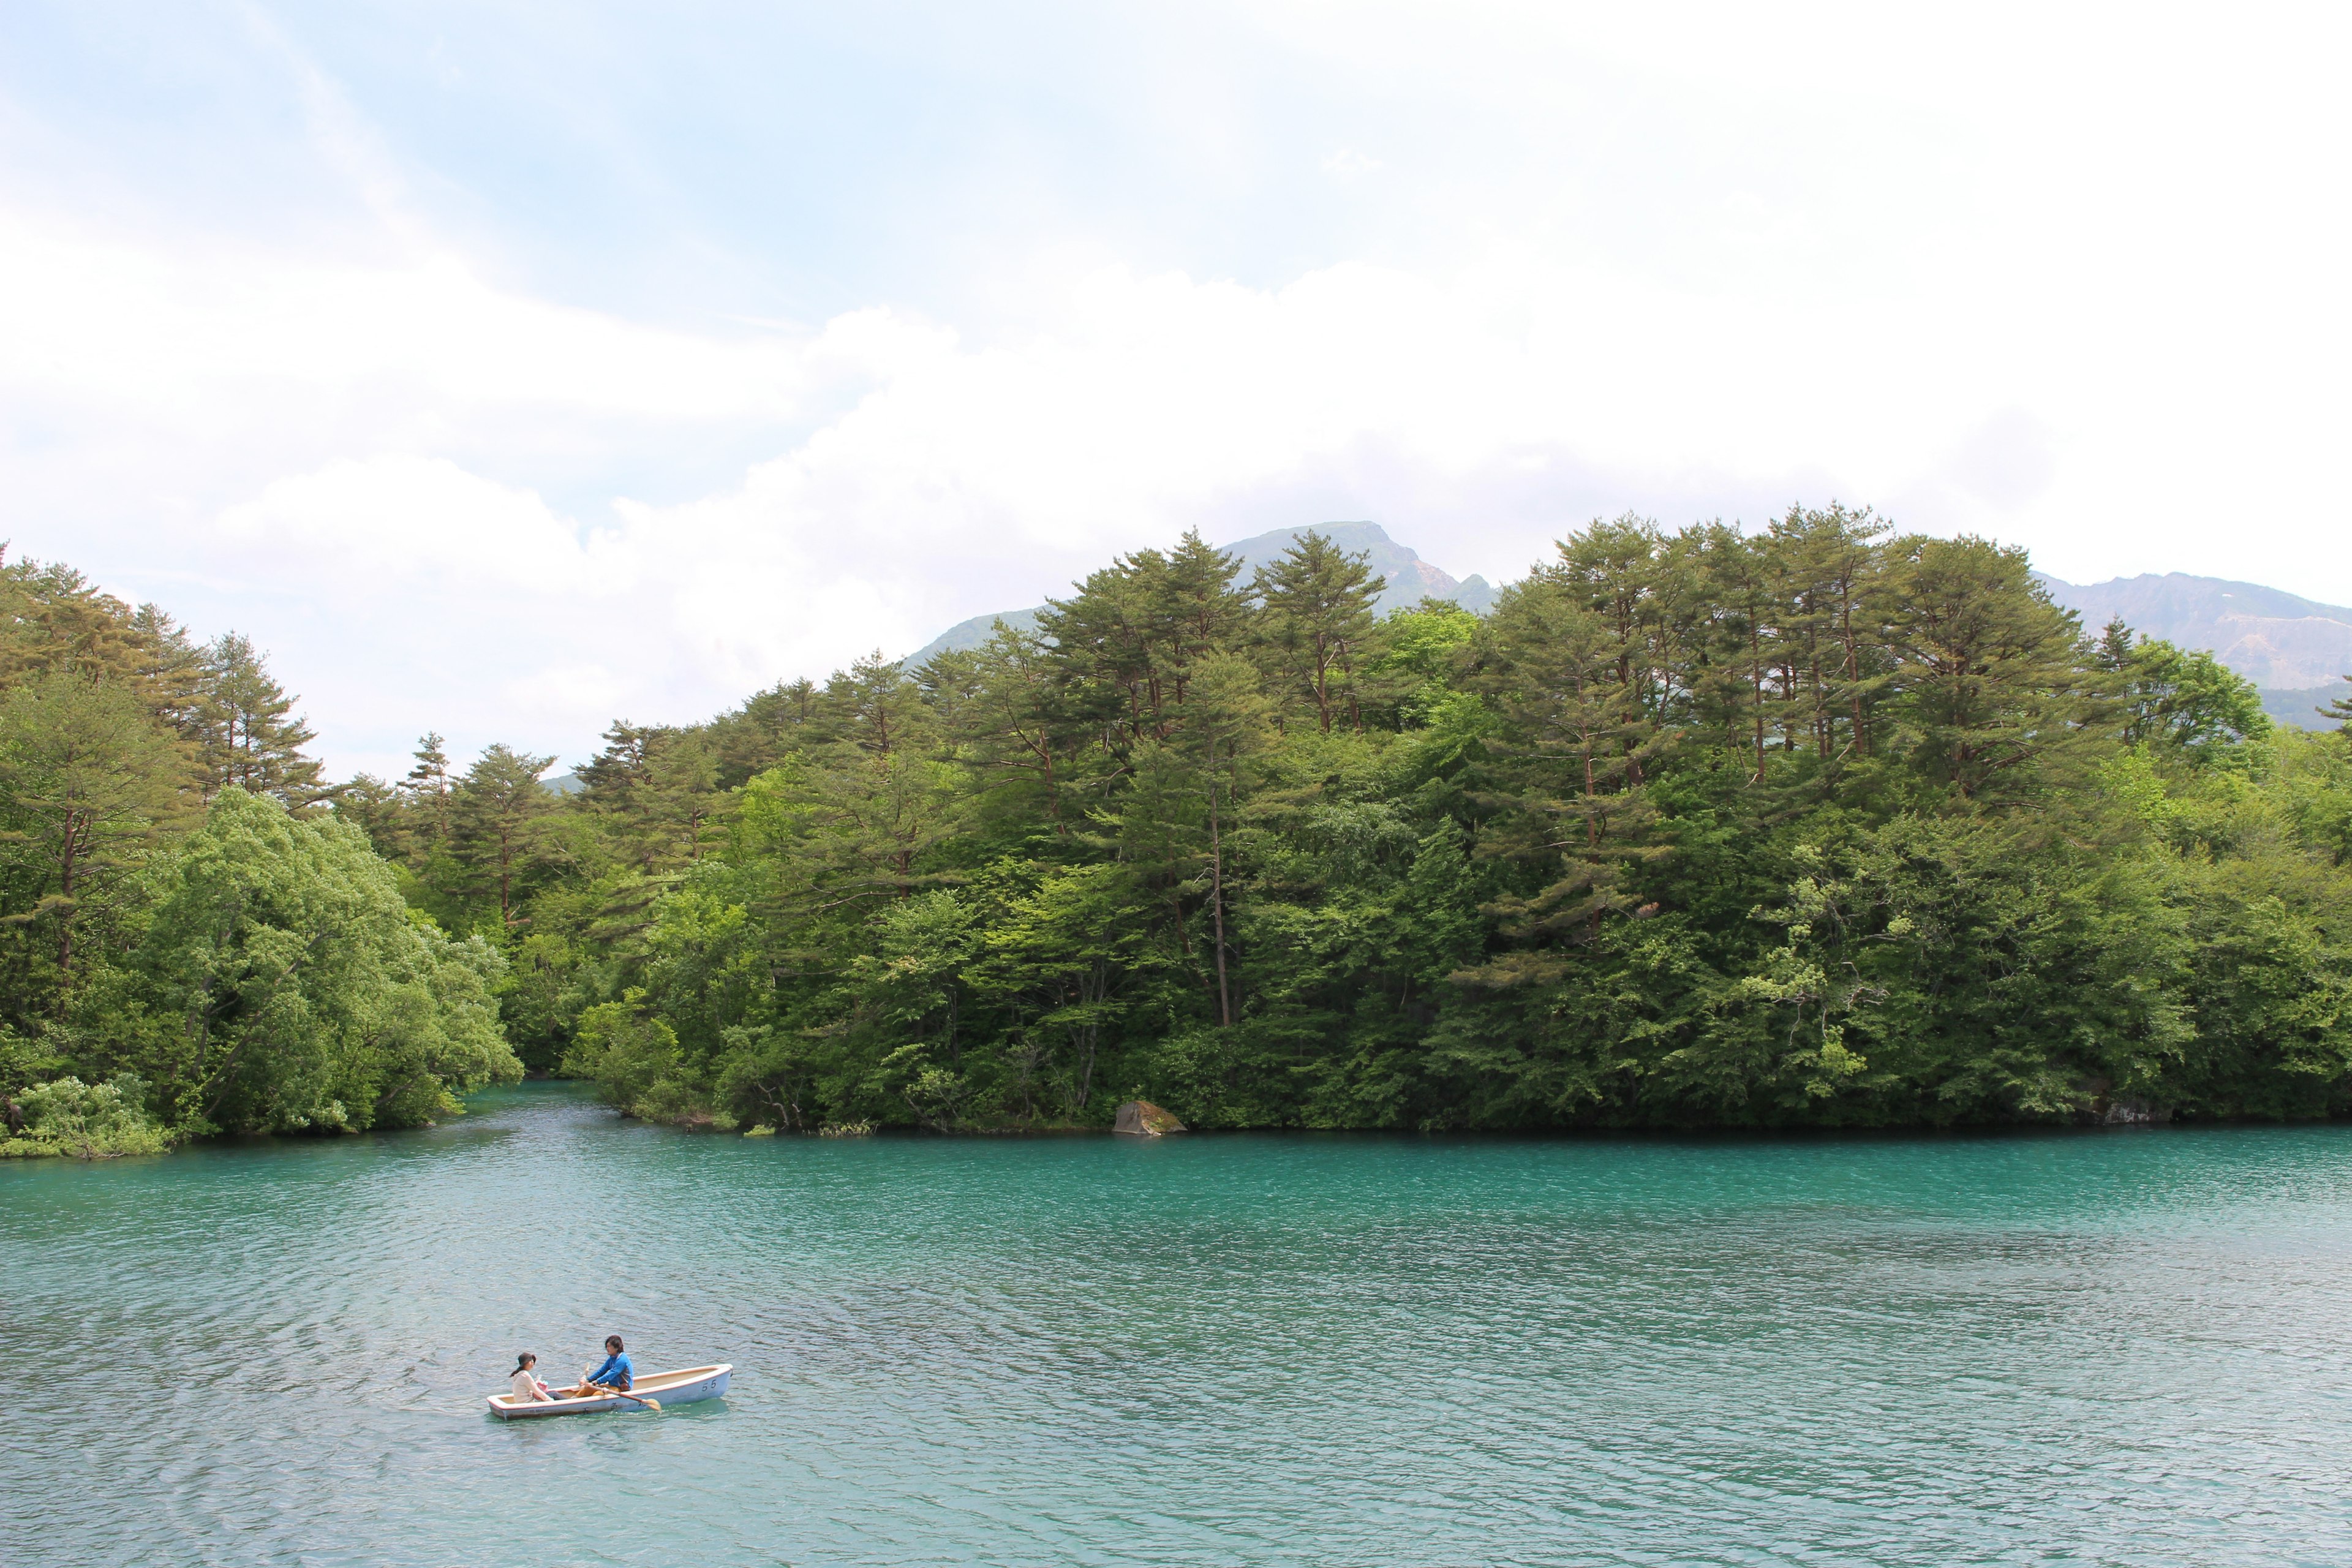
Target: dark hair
x=612, y=1343
x=523, y=1359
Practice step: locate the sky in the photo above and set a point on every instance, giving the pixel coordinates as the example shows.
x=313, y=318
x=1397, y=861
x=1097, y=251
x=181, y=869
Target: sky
x=505, y=368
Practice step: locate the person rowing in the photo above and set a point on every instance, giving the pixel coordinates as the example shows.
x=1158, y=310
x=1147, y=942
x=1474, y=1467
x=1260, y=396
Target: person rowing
x=616, y=1374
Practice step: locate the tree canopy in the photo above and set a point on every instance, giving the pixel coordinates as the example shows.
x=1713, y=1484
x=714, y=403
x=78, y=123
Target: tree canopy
x=1816, y=823
x=189, y=941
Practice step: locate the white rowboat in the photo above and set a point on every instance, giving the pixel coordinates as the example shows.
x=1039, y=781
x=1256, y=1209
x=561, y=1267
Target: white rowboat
x=669, y=1387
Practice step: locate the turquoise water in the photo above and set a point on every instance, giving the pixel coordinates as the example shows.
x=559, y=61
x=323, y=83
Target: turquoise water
x=2126, y=1348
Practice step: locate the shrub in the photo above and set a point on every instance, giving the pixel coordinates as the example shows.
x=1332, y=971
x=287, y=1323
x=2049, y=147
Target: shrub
x=88, y=1121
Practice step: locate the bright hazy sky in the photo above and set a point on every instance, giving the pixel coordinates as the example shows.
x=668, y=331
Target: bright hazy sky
x=503, y=368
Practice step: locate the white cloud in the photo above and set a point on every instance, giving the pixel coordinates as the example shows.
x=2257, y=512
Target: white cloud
x=1475, y=414
x=425, y=524
x=144, y=323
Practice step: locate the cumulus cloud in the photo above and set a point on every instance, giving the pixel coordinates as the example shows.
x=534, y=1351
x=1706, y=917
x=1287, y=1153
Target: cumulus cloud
x=143, y=323
x=1476, y=414
x=426, y=524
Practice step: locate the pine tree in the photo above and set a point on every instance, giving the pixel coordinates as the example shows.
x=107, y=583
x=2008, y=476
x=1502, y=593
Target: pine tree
x=1744, y=582
x=169, y=673
x=380, y=810
x=1994, y=677
x=854, y=820
x=619, y=786
x=2339, y=709
x=1196, y=609
x=1831, y=563
x=1567, y=774
x=496, y=810
x=88, y=780
x=679, y=808
x=428, y=792
x=1319, y=613
x=1016, y=730
x=251, y=736
x=1228, y=722
x=53, y=617
x=1104, y=636
x=765, y=730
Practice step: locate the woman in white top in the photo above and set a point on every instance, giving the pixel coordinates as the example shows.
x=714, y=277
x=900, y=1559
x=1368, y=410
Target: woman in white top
x=528, y=1390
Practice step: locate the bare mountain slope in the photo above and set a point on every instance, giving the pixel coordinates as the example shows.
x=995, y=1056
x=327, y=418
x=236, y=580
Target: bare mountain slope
x=2295, y=650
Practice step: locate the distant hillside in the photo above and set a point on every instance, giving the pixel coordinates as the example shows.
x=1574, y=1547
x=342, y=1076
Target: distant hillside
x=1408, y=578
x=2295, y=650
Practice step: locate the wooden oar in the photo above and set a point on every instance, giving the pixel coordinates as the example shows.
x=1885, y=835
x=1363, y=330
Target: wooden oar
x=653, y=1404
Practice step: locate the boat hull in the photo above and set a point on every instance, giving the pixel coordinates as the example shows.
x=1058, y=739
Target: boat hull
x=669, y=1387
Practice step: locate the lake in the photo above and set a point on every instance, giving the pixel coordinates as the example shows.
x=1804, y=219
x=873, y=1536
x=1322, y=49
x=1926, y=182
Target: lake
x=2128, y=1347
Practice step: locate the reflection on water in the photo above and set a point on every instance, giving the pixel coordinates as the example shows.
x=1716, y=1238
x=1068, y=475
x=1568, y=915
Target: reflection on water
x=2124, y=1348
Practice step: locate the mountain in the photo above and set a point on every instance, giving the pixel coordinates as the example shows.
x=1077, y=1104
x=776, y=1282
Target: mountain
x=1406, y=580
x=967, y=635
x=2297, y=652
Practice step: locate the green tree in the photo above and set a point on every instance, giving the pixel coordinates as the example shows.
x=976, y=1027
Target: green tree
x=1319, y=615
x=87, y=783
x=1412, y=660
x=494, y=813
x=2187, y=701
x=1568, y=777
x=430, y=793
x=857, y=818
x=1228, y=725
x=658, y=788
x=305, y=994
x=1062, y=960
x=251, y=737
x=1017, y=730
x=1833, y=570
x=1994, y=675
x=53, y=618
x=2340, y=710
x=1806, y=825
x=630, y=1052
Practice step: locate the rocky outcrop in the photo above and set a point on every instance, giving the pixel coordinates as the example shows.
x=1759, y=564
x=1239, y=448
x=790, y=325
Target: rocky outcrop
x=1141, y=1119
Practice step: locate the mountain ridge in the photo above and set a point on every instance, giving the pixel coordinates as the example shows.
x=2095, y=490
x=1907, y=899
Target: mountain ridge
x=2295, y=650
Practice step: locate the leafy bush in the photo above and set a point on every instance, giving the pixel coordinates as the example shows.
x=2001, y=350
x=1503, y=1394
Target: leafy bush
x=88, y=1121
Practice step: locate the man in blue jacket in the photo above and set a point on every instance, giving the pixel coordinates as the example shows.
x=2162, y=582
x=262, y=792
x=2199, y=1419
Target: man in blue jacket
x=617, y=1371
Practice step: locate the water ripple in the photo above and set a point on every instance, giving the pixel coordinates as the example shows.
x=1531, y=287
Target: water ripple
x=2109, y=1348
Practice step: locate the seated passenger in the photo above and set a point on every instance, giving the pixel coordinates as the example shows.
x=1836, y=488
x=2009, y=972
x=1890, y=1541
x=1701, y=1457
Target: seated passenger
x=528, y=1389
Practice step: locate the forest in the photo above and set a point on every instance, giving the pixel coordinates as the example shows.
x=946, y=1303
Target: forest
x=1818, y=825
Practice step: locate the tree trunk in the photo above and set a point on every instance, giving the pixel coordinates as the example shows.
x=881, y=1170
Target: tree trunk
x=65, y=912
x=1755, y=690
x=1217, y=898
x=506, y=882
